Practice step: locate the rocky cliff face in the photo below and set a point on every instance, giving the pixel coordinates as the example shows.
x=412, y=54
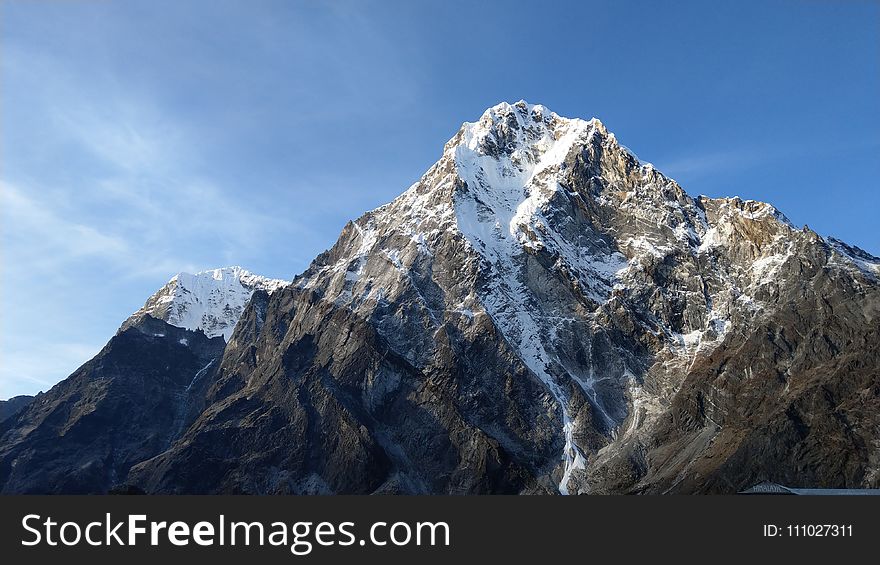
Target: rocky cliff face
x=542, y=313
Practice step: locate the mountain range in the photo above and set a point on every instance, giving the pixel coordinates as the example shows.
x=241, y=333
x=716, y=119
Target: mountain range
x=541, y=312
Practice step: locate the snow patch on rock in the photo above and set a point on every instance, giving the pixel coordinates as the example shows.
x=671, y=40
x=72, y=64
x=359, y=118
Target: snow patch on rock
x=211, y=301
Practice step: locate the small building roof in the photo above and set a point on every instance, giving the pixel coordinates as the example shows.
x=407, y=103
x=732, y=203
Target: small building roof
x=768, y=487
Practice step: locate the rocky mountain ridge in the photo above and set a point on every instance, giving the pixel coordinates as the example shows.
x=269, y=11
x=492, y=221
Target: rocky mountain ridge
x=543, y=313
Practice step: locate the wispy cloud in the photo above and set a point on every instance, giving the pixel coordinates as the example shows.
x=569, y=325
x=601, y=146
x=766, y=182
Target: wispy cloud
x=724, y=160
x=121, y=132
x=20, y=374
x=36, y=235
x=138, y=202
x=83, y=243
x=711, y=163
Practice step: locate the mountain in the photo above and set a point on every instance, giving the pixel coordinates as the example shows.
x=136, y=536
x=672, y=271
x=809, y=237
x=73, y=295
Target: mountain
x=541, y=313
x=132, y=399
x=211, y=301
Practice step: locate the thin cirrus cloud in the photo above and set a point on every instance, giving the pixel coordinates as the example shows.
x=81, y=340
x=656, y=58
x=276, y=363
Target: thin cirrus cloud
x=711, y=163
x=118, y=174
x=84, y=244
x=41, y=240
x=700, y=165
x=136, y=198
x=39, y=372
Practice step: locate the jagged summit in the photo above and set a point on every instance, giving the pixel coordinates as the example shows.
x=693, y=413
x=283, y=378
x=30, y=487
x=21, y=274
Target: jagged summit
x=524, y=113
x=505, y=129
x=211, y=300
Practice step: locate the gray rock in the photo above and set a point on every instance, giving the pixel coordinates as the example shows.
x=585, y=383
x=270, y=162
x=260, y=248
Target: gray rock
x=11, y=406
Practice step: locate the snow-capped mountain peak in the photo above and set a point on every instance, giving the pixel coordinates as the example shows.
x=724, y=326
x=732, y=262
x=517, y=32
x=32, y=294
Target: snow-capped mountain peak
x=549, y=229
x=521, y=131
x=211, y=300
x=540, y=312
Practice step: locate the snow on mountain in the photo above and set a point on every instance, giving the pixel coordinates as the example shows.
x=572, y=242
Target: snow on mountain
x=510, y=160
x=211, y=300
x=526, y=199
x=540, y=312
x=857, y=257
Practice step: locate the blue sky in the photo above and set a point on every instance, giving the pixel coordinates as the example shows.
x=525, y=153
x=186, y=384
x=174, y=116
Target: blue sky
x=143, y=138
